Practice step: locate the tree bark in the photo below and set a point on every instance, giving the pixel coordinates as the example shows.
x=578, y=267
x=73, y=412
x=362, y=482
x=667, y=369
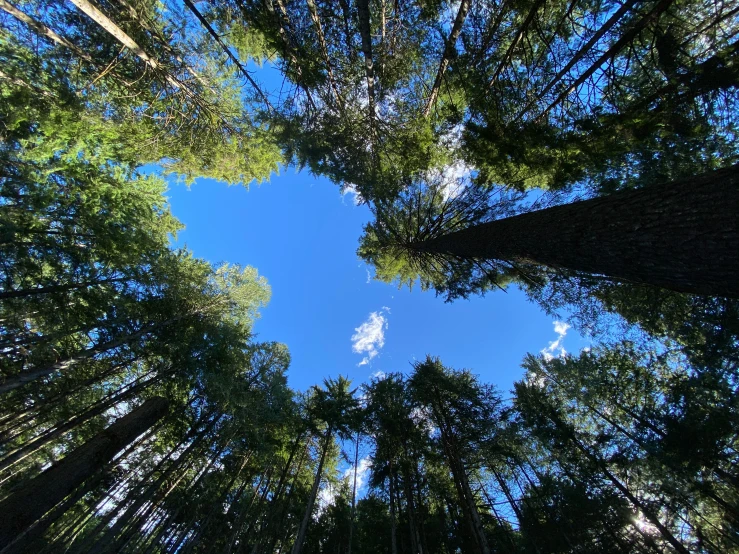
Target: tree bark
x=680, y=235
x=41, y=494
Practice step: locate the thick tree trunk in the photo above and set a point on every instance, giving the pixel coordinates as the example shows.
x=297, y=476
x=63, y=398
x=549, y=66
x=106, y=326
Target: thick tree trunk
x=298, y=546
x=681, y=235
x=33, y=500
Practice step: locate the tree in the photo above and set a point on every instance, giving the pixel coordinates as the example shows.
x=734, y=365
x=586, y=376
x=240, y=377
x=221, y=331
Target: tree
x=333, y=406
x=41, y=494
x=677, y=235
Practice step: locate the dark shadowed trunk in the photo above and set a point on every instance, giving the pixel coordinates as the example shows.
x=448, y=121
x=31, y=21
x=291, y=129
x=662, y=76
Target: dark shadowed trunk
x=681, y=235
x=41, y=494
x=298, y=546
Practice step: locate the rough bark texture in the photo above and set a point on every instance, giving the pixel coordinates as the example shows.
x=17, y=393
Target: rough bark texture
x=681, y=235
x=41, y=494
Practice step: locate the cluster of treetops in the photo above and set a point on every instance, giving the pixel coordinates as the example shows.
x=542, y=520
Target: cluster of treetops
x=583, y=150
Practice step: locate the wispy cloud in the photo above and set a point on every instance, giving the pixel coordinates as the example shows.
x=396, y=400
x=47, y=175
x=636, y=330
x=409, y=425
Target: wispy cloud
x=378, y=375
x=369, y=337
x=363, y=467
x=349, y=190
x=555, y=347
x=327, y=494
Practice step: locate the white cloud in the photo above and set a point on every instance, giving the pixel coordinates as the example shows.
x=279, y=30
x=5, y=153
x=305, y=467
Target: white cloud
x=327, y=494
x=369, y=337
x=378, y=375
x=369, y=276
x=349, y=190
x=555, y=347
x=363, y=467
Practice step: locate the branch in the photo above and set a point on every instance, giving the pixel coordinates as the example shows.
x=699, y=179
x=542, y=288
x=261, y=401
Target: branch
x=227, y=50
x=449, y=49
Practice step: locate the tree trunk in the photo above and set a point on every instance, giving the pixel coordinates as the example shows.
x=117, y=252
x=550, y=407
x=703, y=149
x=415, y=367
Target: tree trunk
x=519, y=35
x=393, y=523
x=615, y=48
x=354, y=496
x=45, y=438
x=363, y=15
x=15, y=381
x=34, y=499
x=681, y=235
x=51, y=289
x=449, y=48
x=298, y=546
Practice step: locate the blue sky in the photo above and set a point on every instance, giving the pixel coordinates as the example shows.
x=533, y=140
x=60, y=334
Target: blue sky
x=302, y=235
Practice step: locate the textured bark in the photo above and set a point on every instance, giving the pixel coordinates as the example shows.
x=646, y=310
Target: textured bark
x=449, y=49
x=41, y=494
x=681, y=235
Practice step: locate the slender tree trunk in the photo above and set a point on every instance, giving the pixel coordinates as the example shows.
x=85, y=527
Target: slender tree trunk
x=365, y=32
x=39, y=442
x=615, y=48
x=681, y=235
x=519, y=35
x=298, y=546
x=52, y=289
x=215, y=36
x=43, y=30
x=116, y=32
x=449, y=49
x=313, y=10
x=354, y=496
x=15, y=381
x=584, y=51
x=393, y=518
x=33, y=500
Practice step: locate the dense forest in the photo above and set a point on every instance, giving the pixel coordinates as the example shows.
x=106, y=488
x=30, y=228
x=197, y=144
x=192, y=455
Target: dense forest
x=585, y=151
